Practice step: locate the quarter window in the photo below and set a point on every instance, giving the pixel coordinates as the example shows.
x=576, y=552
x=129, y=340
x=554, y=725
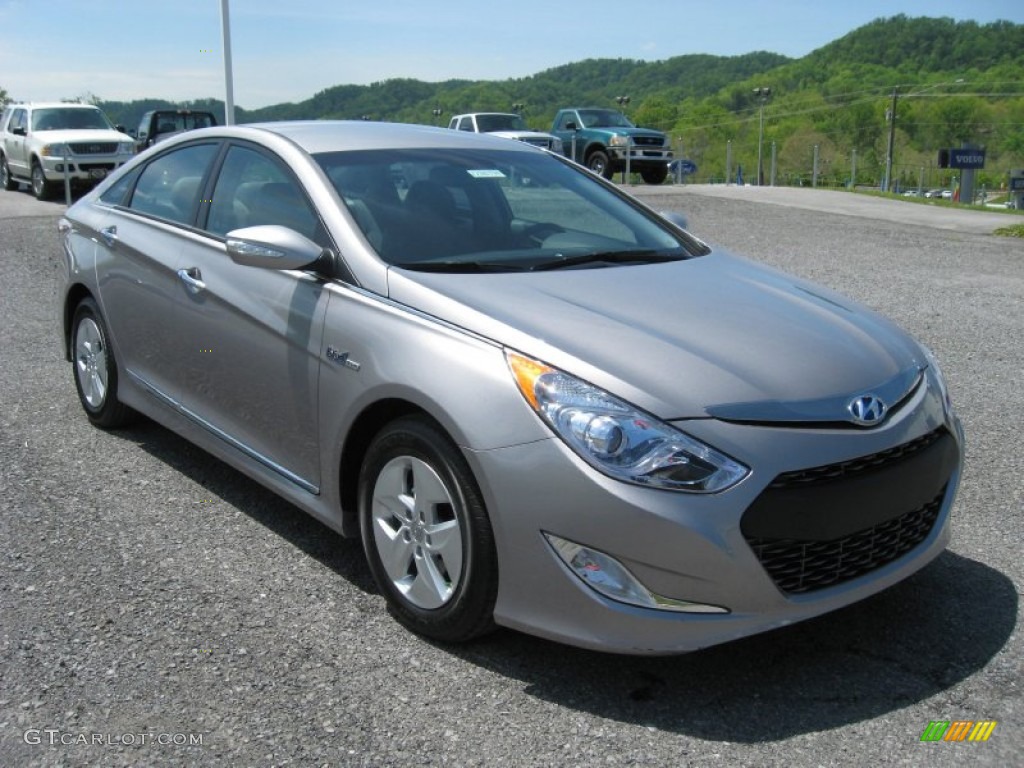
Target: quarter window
x=171, y=185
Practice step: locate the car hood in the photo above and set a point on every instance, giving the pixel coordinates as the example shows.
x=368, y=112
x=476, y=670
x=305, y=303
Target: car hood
x=715, y=335
x=78, y=136
x=626, y=131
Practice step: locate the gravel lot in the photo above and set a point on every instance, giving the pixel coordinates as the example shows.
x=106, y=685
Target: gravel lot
x=151, y=594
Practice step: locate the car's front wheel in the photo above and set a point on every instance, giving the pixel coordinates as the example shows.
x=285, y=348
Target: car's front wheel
x=6, y=180
x=426, y=533
x=598, y=163
x=96, y=368
x=41, y=188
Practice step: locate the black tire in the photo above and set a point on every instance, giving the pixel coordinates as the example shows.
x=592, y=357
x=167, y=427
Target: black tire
x=6, y=180
x=41, y=188
x=420, y=507
x=95, y=368
x=655, y=175
x=597, y=162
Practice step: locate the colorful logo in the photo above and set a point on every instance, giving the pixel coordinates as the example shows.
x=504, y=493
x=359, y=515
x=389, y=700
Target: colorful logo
x=958, y=730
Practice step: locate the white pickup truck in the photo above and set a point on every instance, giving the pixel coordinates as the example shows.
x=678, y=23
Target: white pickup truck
x=42, y=143
x=507, y=124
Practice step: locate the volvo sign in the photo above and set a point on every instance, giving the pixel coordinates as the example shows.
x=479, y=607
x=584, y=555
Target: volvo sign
x=961, y=158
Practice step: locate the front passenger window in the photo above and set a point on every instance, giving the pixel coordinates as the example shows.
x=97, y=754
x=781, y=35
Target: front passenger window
x=253, y=190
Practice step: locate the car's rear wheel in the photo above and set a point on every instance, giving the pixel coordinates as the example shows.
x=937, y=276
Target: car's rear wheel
x=426, y=533
x=6, y=180
x=41, y=188
x=598, y=163
x=96, y=368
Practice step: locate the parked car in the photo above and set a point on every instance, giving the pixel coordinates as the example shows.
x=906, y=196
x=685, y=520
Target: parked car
x=545, y=407
x=507, y=124
x=159, y=124
x=603, y=139
x=42, y=144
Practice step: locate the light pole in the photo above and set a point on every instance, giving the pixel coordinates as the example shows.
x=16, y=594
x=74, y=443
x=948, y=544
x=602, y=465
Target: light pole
x=763, y=94
x=229, y=88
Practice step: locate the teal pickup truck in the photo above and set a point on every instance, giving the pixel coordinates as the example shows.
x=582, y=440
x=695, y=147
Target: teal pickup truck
x=601, y=138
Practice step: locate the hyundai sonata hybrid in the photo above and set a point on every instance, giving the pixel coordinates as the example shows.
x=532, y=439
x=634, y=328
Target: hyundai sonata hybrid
x=540, y=404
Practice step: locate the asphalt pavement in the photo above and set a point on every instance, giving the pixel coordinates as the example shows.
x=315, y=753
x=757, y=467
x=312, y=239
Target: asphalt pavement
x=159, y=608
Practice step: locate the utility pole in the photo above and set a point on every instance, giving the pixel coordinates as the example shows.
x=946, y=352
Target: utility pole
x=887, y=187
x=763, y=94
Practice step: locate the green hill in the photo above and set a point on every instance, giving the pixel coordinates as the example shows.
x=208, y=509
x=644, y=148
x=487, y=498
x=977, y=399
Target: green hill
x=955, y=82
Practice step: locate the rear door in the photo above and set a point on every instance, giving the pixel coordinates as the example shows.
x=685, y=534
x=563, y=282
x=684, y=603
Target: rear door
x=140, y=234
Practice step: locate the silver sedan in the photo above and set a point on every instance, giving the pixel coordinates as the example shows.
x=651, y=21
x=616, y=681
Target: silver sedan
x=540, y=404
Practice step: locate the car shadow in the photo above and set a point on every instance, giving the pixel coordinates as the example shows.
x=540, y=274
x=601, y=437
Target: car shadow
x=904, y=645
x=883, y=654
x=341, y=555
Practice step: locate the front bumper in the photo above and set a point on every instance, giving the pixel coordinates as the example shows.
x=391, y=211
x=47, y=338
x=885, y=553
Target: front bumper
x=89, y=169
x=639, y=156
x=684, y=547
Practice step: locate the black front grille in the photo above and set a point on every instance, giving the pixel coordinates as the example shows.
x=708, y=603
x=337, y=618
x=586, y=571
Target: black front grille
x=804, y=566
x=648, y=141
x=96, y=166
x=860, y=465
x=94, y=148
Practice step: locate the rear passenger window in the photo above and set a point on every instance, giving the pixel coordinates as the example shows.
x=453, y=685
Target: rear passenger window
x=170, y=186
x=252, y=190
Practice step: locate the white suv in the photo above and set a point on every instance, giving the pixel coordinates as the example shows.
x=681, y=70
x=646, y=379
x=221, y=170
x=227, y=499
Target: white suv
x=41, y=143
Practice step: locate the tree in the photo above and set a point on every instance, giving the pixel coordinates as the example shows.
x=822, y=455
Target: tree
x=4, y=97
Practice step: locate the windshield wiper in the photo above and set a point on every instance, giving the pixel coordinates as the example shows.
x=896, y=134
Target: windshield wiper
x=642, y=256
x=451, y=265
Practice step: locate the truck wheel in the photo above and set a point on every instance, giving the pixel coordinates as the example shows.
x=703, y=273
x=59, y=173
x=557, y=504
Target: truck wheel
x=6, y=180
x=41, y=188
x=598, y=163
x=655, y=175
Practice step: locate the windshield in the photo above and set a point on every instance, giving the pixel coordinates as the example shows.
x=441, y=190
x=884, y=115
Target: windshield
x=495, y=210
x=69, y=118
x=604, y=118
x=488, y=123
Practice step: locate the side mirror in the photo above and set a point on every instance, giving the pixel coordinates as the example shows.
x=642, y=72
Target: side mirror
x=571, y=126
x=271, y=246
x=674, y=218
x=120, y=128
x=18, y=131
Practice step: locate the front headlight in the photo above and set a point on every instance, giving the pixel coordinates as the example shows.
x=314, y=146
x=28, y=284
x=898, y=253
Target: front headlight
x=126, y=148
x=55, y=150
x=618, y=439
x=619, y=141
x=938, y=379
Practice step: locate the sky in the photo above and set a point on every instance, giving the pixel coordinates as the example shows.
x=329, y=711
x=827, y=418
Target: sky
x=288, y=50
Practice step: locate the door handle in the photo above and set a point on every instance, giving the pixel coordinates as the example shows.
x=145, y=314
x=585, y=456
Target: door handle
x=109, y=235
x=193, y=280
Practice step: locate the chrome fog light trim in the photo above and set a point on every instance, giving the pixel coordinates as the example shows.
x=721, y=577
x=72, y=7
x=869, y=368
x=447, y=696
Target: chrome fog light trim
x=607, y=576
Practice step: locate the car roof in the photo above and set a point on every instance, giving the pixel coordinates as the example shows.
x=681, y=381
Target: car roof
x=316, y=136
x=52, y=105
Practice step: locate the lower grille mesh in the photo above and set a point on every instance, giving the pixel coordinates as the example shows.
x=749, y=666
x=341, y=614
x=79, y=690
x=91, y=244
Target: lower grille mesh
x=804, y=566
